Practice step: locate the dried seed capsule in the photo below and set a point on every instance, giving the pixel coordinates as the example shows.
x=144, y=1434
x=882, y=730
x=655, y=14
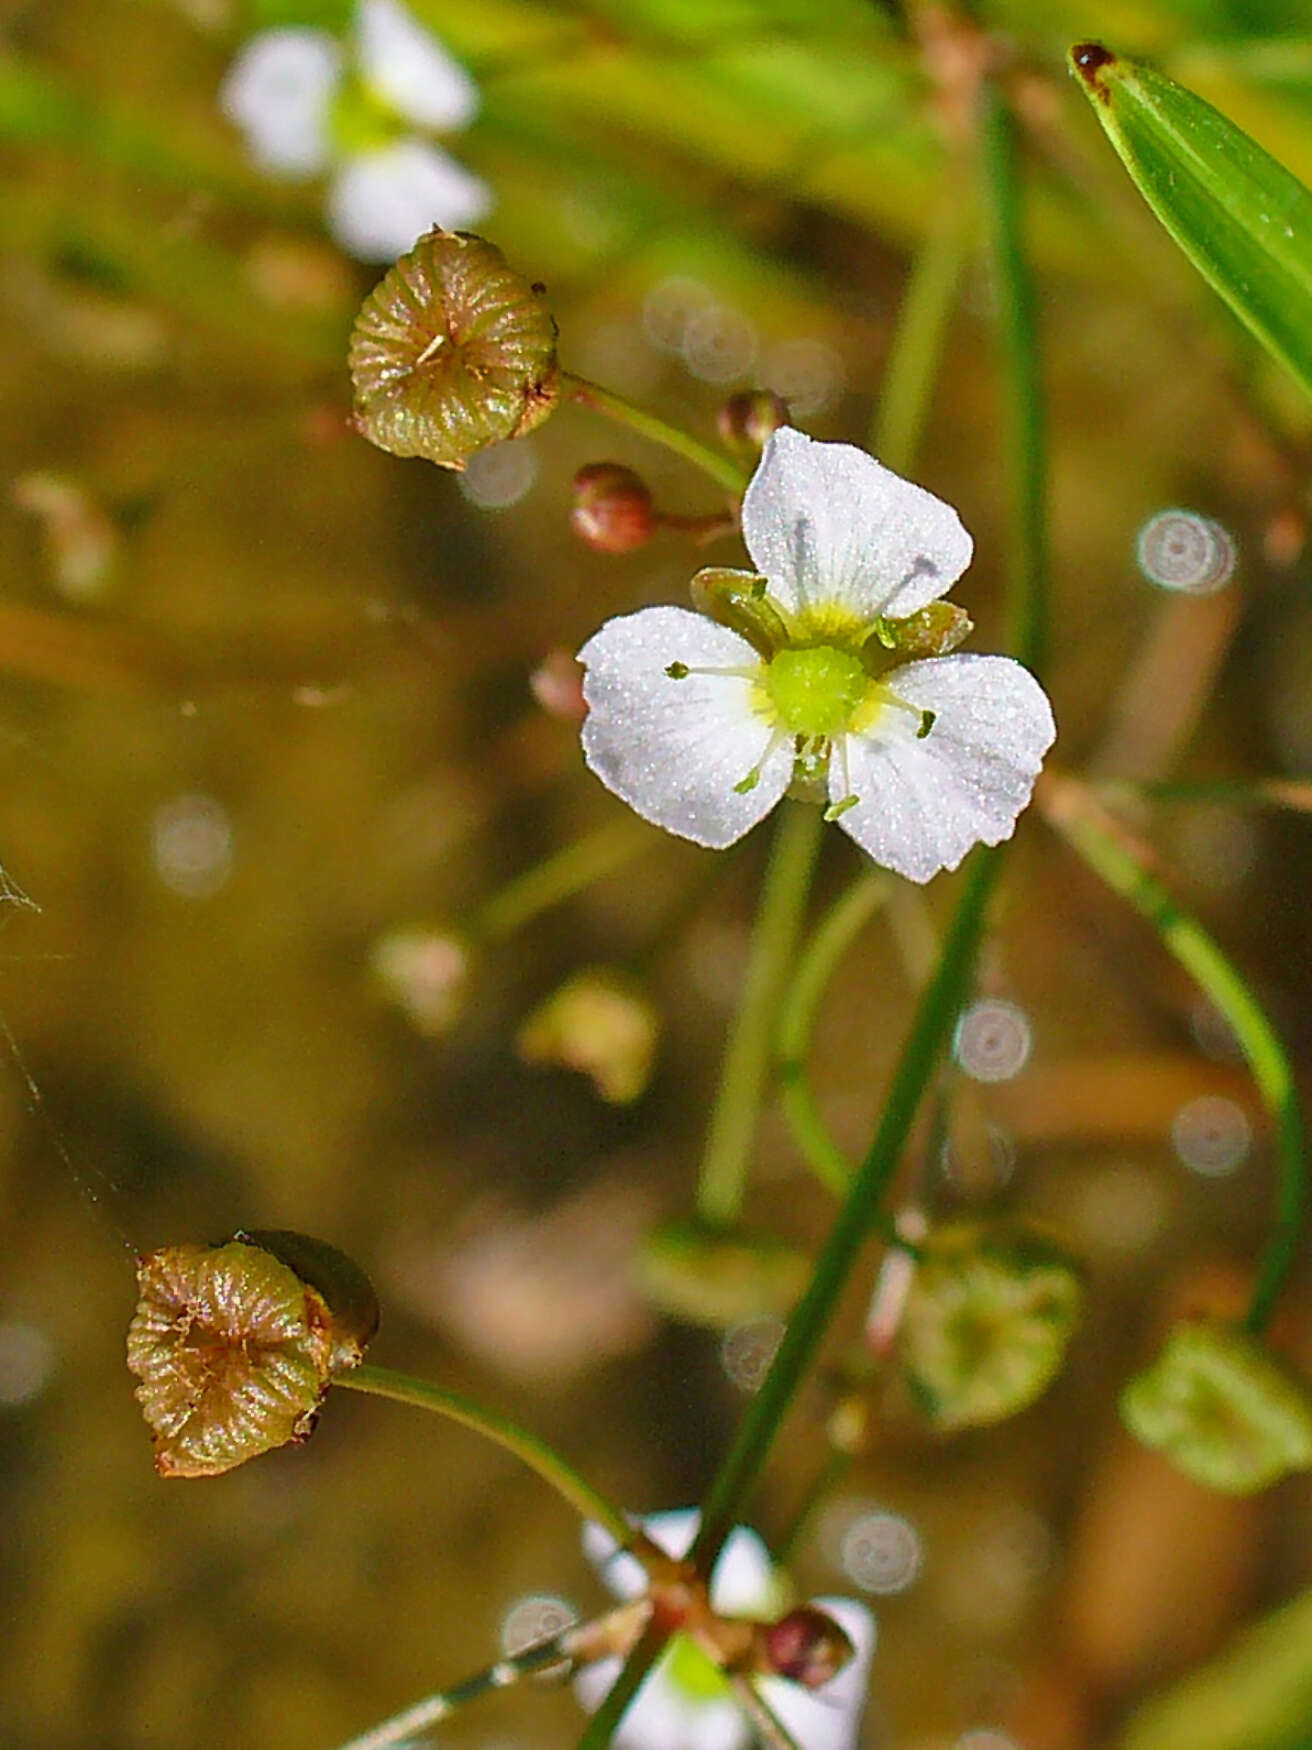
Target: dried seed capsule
x=235, y=1345
x=452, y=351
x=1222, y=1408
x=986, y=1322
x=612, y=508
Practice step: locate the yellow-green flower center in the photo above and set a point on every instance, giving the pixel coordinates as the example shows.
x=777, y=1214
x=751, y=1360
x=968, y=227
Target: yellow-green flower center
x=816, y=691
x=361, y=121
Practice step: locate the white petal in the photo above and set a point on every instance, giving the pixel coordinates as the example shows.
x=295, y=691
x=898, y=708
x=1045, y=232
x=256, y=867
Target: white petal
x=741, y=1580
x=922, y=804
x=621, y=1573
x=663, y=1717
x=829, y=1718
x=826, y=523
x=411, y=69
x=674, y=749
x=382, y=202
x=278, y=92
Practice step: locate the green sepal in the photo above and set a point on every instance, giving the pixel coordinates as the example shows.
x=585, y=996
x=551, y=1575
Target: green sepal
x=1222, y=1408
x=931, y=631
x=738, y=599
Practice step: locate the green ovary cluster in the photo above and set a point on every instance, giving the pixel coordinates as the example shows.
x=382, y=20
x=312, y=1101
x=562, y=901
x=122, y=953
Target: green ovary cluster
x=817, y=691
x=361, y=121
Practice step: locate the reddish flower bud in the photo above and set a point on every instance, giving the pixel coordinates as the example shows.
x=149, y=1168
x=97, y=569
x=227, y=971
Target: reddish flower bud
x=612, y=508
x=747, y=419
x=807, y=1646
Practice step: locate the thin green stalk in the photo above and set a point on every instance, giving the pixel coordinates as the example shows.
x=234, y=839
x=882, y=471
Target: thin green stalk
x=1123, y=864
x=1025, y=421
x=1292, y=793
x=747, y=1055
x=381, y=1382
x=935, y=1017
x=720, y=468
x=560, y=876
x=601, y=1727
x=916, y=349
x=816, y=966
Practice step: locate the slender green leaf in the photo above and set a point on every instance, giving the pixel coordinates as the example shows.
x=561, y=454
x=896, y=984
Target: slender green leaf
x=1241, y=218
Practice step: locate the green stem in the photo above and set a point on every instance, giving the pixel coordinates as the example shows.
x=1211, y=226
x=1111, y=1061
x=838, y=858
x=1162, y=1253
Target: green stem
x=916, y=349
x=560, y=876
x=720, y=468
x=601, y=1727
x=1026, y=434
x=1113, y=854
x=819, y=960
x=935, y=1017
x=381, y=1382
x=1293, y=793
x=747, y=1055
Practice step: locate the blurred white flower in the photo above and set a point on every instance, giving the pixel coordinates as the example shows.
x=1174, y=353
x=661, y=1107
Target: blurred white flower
x=701, y=725
x=309, y=104
x=686, y=1702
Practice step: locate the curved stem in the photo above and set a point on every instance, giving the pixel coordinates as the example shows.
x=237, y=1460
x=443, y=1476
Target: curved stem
x=725, y=472
x=1124, y=864
x=403, y=1388
x=1026, y=425
x=747, y=1055
x=817, y=965
x=935, y=1017
x=560, y=876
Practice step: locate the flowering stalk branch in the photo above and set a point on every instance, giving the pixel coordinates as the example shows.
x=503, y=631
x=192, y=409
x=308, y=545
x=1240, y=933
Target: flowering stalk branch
x=1125, y=865
x=601, y=1727
x=1026, y=433
x=747, y=1054
x=560, y=876
x=921, y=1054
x=718, y=467
x=381, y=1382
x=816, y=966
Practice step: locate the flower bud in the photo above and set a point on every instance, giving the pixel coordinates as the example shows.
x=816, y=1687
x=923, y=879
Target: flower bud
x=235, y=1345
x=933, y=631
x=738, y=599
x=1222, y=1408
x=425, y=973
x=747, y=419
x=716, y=1279
x=807, y=1646
x=986, y=1322
x=600, y=1023
x=452, y=352
x=612, y=508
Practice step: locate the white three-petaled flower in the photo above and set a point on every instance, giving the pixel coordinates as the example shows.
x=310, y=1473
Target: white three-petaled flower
x=702, y=729
x=307, y=106
x=686, y=1703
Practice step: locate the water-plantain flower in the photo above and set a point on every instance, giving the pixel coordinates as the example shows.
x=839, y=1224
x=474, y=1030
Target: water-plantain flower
x=687, y=1701
x=362, y=114
x=796, y=678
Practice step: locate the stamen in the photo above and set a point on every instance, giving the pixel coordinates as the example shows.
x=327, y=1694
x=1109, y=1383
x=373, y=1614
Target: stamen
x=679, y=671
x=748, y=783
x=927, y=721
x=849, y=799
x=431, y=348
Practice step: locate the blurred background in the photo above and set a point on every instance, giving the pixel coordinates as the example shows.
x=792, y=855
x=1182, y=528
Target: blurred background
x=269, y=735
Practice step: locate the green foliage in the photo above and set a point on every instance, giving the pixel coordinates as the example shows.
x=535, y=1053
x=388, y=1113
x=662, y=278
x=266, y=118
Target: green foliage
x=1240, y=217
